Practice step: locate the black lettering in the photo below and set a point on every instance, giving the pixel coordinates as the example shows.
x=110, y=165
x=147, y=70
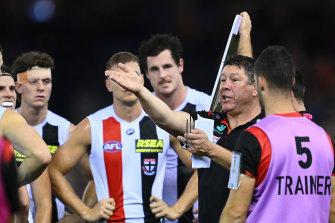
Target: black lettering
x=306, y=185
x=312, y=184
x=299, y=186
x=320, y=184
x=288, y=184
x=327, y=185
x=279, y=181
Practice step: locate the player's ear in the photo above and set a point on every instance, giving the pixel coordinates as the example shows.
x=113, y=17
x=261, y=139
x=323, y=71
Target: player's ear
x=108, y=85
x=18, y=88
x=181, y=65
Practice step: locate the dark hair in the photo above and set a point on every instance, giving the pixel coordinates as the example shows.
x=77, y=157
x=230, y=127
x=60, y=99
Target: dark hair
x=245, y=62
x=121, y=57
x=0, y=49
x=276, y=65
x=158, y=43
x=299, y=85
x=5, y=69
x=28, y=60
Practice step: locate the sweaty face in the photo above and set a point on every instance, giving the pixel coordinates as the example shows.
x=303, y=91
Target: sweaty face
x=164, y=74
x=36, y=91
x=236, y=93
x=7, y=92
x=121, y=94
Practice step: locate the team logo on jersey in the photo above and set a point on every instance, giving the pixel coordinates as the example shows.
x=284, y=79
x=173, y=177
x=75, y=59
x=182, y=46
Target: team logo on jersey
x=130, y=131
x=149, y=166
x=149, y=145
x=112, y=146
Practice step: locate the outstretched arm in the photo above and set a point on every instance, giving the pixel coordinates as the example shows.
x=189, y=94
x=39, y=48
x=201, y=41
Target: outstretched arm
x=63, y=161
x=244, y=45
x=172, y=121
x=27, y=141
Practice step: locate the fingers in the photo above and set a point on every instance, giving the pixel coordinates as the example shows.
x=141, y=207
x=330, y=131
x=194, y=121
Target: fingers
x=123, y=67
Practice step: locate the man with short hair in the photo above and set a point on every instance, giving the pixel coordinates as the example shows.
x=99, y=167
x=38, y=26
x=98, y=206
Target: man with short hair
x=161, y=57
x=280, y=167
x=127, y=156
x=32, y=71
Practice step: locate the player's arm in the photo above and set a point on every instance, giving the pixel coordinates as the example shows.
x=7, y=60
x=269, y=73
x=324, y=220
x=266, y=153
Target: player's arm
x=238, y=202
x=184, y=203
x=89, y=195
x=63, y=161
x=41, y=191
x=183, y=154
x=172, y=121
x=244, y=45
x=27, y=141
x=21, y=216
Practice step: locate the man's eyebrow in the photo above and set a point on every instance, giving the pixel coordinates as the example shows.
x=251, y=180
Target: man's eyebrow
x=138, y=73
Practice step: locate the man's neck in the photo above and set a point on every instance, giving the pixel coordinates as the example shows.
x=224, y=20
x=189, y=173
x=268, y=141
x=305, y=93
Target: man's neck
x=175, y=99
x=241, y=118
x=33, y=116
x=127, y=113
x=278, y=105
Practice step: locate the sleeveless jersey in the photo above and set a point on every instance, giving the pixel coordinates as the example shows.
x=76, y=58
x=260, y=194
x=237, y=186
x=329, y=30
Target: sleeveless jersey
x=296, y=187
x=128, y=163
x=177, y=174
x=54, y=130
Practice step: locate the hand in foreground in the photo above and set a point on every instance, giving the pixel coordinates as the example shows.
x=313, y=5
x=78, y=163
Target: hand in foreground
x=104, y=209
x=197, y=142
x=125, y=77
x=160, y=209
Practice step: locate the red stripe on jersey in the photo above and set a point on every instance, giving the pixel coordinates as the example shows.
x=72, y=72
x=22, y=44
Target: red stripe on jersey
x=264, y=162
x=250, y=174
x=113, y=164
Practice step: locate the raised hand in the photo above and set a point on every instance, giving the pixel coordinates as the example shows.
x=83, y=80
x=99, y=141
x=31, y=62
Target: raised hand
x=126, y=78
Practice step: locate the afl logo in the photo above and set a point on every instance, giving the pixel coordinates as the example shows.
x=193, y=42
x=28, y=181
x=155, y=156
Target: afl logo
x=130, y=131
x=112, y=146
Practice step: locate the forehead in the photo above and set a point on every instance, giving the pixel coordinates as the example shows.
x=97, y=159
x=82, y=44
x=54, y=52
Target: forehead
x=39, y=73
x=231, y=70
x=163, y=57
x=6, y=81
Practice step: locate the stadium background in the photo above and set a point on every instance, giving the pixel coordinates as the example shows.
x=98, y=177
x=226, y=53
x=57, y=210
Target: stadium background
x=82, y=35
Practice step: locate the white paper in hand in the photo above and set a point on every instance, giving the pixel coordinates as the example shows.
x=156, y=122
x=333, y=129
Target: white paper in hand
x=207, y=126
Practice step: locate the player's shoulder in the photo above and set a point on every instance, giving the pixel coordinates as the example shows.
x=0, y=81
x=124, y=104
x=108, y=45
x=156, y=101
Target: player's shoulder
x=57, y=120
x=102, y=113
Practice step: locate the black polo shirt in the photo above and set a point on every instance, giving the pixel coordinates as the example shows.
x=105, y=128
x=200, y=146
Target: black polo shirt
x=213, y=181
